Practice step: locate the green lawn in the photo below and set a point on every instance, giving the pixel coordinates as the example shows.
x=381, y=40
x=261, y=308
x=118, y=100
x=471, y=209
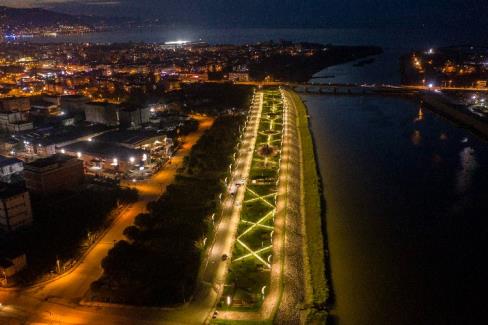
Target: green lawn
x=250, y=269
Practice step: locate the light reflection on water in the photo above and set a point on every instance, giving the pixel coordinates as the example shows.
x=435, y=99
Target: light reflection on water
x=468, y=169
x=406, y=211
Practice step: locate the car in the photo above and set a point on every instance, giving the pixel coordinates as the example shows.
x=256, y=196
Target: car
x=240, y=182
x=225, y=257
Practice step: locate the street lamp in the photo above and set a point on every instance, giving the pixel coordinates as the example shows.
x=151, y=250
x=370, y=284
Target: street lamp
x=6, y=281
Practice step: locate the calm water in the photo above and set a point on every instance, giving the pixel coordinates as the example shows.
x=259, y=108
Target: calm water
x=388, y=37
x=407, y=202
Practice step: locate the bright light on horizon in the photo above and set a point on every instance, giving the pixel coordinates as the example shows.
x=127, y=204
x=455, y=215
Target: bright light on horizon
x=178, y=42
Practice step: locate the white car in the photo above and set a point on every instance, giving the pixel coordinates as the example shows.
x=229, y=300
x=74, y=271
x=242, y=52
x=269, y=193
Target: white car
x=240, y=182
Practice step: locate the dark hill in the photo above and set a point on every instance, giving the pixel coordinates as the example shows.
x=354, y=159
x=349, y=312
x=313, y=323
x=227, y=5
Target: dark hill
x=37, y=17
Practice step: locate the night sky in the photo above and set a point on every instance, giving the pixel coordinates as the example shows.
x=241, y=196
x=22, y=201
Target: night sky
x=282, y=13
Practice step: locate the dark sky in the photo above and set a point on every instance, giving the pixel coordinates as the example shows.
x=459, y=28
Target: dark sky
x=283, y=13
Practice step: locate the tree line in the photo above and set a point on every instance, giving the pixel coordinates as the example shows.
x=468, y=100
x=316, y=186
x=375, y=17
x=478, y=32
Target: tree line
x=159, y=262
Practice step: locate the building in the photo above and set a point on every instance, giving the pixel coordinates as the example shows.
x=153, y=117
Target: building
x=15, y=207
x=102, y=157
x=11, y=264
x=102, y=113
x=54, y=174
x=15, y=104
x=481, y=83
x=7, y=145
x=45, y=107
x=9, y=167
x=15, y=121
x=114, y=115
x=239, y=76
x=155, y=143
x=46, y=142
x=73, y=104
x=134, y=117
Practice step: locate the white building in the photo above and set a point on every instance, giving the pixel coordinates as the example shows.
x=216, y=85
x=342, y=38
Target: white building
x=9, y=167
x=15, y=207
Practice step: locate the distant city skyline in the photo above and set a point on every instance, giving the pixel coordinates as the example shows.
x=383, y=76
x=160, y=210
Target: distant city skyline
x=276, y=13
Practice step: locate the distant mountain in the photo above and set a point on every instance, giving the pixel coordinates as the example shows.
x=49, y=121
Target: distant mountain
x=38, y=18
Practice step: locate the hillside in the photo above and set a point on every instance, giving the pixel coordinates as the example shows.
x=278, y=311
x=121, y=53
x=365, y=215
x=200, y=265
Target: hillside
x=36, y=17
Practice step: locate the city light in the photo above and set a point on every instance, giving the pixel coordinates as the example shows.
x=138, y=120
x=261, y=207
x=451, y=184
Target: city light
x=178, y=42
x=150, y=103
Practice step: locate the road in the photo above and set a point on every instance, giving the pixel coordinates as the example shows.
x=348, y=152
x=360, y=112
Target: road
x=214, y=269
x=65, y=292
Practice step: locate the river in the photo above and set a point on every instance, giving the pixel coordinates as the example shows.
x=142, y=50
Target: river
x=407, y=201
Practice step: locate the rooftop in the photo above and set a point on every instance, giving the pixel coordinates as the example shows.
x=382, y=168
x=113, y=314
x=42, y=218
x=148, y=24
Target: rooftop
x=9, y=190
x=131, y=137
x=7, y=161
x=51, y=135
x=45, y=162
x=104, y=150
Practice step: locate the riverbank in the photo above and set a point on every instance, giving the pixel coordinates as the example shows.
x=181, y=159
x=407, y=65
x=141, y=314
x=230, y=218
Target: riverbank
x=315, y=244
x=441, y=106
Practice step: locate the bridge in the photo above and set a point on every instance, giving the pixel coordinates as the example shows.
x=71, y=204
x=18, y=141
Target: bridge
x=351, y=89
x=361, y=89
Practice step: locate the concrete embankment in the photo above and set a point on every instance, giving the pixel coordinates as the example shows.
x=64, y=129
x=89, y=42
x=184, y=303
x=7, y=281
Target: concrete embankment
x=440, y=105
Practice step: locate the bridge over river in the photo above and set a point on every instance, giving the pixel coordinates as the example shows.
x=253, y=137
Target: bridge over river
x=361, y=89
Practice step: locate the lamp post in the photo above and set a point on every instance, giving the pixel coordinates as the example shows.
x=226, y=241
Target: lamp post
x=58, y=265
x=5, y=276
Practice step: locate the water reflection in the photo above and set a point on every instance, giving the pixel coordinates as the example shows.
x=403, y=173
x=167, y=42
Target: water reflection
x=416, y=137
x=420, y=115
x=469, y=165
x=406, y=226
